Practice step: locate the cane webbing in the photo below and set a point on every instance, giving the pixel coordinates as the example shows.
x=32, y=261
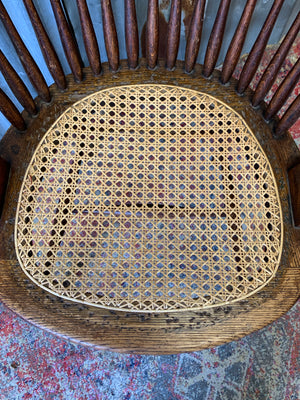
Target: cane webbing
x=152, y=198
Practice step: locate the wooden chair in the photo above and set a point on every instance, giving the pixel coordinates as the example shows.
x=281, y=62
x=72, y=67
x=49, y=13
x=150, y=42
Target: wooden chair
x=150, y=205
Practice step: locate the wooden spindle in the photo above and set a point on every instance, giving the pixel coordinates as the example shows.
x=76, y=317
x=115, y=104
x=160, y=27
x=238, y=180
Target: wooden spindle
x=67, y=39
x=283, y=91
x=215, y=39
x=289, y=118
x=89, y=37
x=4, y=175
x=50, y=56
x=194, y=36
x=16, y=85
x=173, y=37
x=30, y=66
x=272, y=69
x=10, y=112
x=131, y=34
x=237, y=42
x=110, y=35
x=152, y=34
x=258, y=48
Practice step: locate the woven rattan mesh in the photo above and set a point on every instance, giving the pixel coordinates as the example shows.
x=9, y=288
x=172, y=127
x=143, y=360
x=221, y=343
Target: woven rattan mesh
x=149, y=197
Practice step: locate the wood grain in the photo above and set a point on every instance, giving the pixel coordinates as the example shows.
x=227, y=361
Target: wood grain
x=4, y=175
x=89, y=37
x=68, y=41
x=294, y=184
x=283, y=91
x=17, y=85
x=216, y=38
x=258, y=48
x=10, y=112
x=289, y=118
x=152, y=34
x=173, y=36
x=110, y=35
x=237, y=42
x=194, y=35
x=270, y=74
x=141, y=332
x=30, y=66
x=131, y=34
x=49, y=53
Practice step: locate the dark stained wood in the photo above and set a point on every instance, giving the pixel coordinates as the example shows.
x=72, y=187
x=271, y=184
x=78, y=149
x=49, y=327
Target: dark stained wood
x=173, y=34
x=237, y=42
x=272, y=69
x=16, y=85
x=289, y=117
x=216, y=38
x=142, y=332
x=89, y=37
x=131, y=34
x=152, y=34
x=294, y=184
x=9, y=110
x=283, y=91
x=258, y=48
x=46, y=46
x=194, y=36
x=110, y=35
x=67, y=39
x=4, y=175
x=30, y=66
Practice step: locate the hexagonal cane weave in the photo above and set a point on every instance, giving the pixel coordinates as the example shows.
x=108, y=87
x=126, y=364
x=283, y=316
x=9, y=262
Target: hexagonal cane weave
x=149, y=198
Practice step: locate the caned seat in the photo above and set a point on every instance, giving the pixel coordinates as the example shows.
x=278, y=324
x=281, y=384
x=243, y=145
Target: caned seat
x=150, y=205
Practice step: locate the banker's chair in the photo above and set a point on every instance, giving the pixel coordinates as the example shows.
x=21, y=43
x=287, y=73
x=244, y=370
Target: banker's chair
x=150, y=205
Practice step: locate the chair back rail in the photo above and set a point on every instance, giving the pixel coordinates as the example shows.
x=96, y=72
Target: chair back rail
x=131, y=34
x=237, y=42
x=67, y=39
x=173, y=37
x=46, y=46
x=110, y=35
x=216, y=38
x=89, y=37
x=152, y=34
x=258, y=48
x=17, y=85
x=194, y=36
x=30, y=66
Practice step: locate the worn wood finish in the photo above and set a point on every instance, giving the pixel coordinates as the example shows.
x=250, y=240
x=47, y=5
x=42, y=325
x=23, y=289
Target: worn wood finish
x=289, y=118
x=49, y=53
x=194, y=36
x=294, y=183
x=141, y=332
x=173, y=34
x=4, y=175
x=152, y=34
x=17, y=85
x=30, y=66
x=216, y=38
x=283, y=91
x=237, y=42
x=110, y=35
x=131, y=34
x=272, y=69
x=67, y=39
x=89, y=37
x=258, y=48
x=10, y=111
